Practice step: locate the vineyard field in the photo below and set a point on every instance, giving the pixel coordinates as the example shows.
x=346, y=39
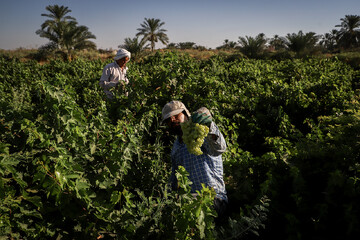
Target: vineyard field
x=75, y=165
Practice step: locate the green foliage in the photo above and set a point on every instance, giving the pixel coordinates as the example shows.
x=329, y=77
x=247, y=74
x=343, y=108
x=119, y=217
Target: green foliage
x=249, y=223
x=252, y=47
x=102, y=167
x=134, y=46
x=301, y=43
x=186, y=45
x=348, y=35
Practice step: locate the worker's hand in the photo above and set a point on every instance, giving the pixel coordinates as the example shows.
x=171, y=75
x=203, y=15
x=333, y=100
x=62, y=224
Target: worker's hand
x=202, y=116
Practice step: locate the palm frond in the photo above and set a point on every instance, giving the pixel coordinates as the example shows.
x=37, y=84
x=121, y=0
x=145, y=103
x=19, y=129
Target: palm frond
x=63, y=31
x=151, y=31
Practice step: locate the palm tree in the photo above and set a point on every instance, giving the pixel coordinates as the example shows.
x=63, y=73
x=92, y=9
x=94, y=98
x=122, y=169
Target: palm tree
x=330, y=40
x=54, y=28
x=134, y=46
x=57, y=17
x=186, y=45
x=277, y=42
x=172, y=46
x=77, y=38
x=151, y=31
x=300, y=42
x=228, y=45
x=349, y=34
x=63, y=32
x=253, y=47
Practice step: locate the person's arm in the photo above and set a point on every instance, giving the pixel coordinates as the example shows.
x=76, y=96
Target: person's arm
x=105, y=82
x=216, y=140
x=126, y=80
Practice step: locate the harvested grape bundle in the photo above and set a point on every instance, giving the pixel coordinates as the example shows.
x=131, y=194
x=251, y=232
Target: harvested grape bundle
x=193, y=136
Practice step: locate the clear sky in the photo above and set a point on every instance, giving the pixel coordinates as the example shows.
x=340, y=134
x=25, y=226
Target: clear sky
x=205, y=22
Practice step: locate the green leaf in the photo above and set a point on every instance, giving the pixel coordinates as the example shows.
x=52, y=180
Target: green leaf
x=92, y=148
x=81, y=185
x=36, y=200
x=197, y=211
x=115, y=197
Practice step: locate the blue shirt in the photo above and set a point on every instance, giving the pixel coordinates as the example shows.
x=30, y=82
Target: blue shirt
x=206, y=168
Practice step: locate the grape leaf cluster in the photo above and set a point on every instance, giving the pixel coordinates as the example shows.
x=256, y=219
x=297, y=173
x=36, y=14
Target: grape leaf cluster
x=193, y=136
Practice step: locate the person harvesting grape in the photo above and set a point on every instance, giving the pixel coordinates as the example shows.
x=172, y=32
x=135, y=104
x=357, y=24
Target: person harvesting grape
x=198, y=148
x=115, y=73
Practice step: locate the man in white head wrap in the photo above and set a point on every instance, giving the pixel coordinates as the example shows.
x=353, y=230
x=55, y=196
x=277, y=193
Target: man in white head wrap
x=115, y=73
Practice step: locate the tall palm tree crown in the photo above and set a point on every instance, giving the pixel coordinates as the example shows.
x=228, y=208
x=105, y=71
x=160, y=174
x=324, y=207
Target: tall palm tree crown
x=63, y=32
x=349, y=34
x=151, y=31
x=54, y=27
x=57, y=15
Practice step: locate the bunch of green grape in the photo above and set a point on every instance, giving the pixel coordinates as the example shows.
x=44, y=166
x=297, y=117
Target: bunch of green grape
x=193, y=136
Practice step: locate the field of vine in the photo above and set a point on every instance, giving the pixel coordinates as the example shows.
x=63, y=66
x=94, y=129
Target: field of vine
x=74, y=165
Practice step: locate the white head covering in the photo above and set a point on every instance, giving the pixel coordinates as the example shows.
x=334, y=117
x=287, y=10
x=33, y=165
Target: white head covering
x=121, y=53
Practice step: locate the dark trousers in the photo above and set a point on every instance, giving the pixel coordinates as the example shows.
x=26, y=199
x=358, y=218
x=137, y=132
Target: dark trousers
x=221, y=208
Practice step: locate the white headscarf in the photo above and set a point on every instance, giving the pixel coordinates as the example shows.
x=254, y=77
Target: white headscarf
x=121, y=53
